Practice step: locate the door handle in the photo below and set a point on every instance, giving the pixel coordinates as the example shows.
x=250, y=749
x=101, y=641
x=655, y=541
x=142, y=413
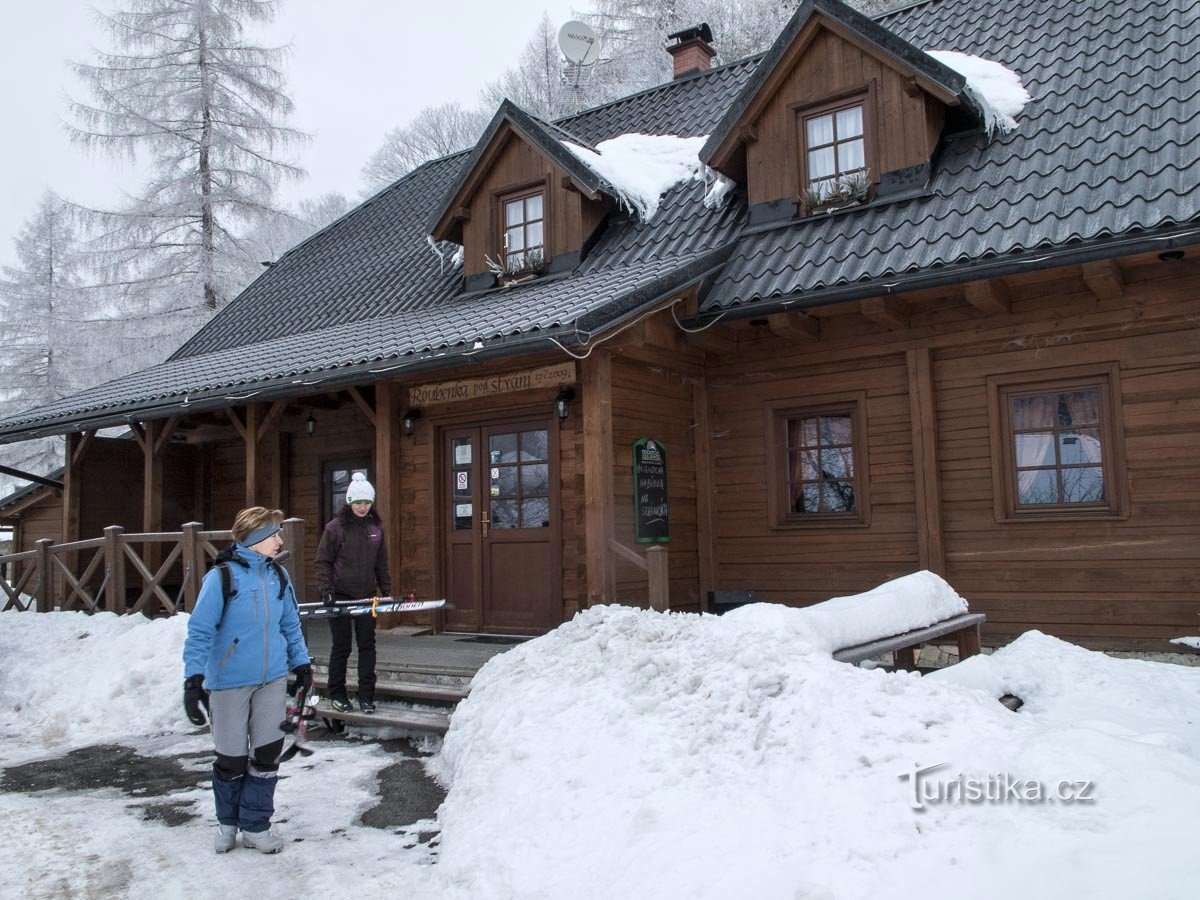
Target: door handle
x=483, y=520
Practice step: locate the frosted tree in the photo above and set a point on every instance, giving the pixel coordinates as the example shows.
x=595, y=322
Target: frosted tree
x=435, y=131
x=538, y=82
x=187, y=90
x=276, y=234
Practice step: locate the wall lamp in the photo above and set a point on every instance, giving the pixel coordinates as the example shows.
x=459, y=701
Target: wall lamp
x=409, y=421
x=562, y=401
x=310, y=424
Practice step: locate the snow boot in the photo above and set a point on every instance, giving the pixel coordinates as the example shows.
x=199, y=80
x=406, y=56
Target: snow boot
x=226, y=838
x=262, y=841
x=341, y=703
x=367, y=706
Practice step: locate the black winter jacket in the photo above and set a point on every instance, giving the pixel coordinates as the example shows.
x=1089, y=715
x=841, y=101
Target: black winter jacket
x=352, y=557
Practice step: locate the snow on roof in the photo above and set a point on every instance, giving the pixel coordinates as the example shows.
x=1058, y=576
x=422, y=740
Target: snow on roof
x=996, y=88
x=643, y=167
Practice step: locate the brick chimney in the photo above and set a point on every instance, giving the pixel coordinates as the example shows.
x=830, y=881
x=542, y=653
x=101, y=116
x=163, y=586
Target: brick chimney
x=691, y=50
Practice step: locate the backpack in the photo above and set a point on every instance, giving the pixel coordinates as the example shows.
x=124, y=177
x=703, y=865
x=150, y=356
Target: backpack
x=229, y=555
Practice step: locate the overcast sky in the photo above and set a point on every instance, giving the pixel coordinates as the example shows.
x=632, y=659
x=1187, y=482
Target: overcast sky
x=357, y=69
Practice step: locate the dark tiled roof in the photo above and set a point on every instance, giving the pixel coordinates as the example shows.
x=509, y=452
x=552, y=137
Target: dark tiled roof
x=1107, y=147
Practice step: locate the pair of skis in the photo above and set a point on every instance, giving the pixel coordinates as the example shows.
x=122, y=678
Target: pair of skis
x=371, y=606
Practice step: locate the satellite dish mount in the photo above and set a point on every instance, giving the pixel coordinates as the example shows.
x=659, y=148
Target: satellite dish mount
x=579, y=45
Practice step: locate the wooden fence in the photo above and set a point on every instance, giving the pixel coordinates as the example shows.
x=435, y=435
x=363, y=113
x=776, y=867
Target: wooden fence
x=163, y=578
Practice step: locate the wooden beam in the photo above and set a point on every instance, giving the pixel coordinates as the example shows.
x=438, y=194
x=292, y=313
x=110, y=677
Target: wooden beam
x=1104, y=279
x=237, y=422
x=748, y=133
x=660, y=331
x=462, y=214
x=388, y=447
x=70, y=494
x=712, y=340
x=83, y=445
x=599, y=519
x=250, y=436
x=989, y=297
x=152, y=479
x=168, y=429
x=890, y=312
x=271, y=418
x=139, y=434
x=923, y=413
x=794, y=326
x=361, y=402
x=705, y=490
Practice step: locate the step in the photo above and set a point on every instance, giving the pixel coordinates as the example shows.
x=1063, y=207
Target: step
x=389, y=716
x=412, y=690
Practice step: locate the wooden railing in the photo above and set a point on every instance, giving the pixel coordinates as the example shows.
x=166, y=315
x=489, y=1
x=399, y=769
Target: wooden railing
x=65, y=577
x=654, y=564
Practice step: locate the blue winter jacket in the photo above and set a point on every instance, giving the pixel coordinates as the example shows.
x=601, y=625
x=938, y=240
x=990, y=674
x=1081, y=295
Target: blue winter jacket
x=257, y=639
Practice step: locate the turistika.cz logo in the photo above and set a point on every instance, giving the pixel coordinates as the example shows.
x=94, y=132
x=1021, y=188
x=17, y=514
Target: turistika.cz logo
x=998, y=788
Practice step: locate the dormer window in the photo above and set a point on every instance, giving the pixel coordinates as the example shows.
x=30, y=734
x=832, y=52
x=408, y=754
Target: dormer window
x=835, y=167
x=524, y=233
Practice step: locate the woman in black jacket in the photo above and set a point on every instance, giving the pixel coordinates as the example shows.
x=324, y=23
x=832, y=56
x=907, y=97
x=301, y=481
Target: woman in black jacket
x=351, y=564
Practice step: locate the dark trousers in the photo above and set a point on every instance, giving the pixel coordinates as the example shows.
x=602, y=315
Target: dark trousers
x=361, y=629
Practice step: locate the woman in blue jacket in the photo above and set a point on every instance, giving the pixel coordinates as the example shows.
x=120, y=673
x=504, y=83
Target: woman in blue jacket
x=236, y=658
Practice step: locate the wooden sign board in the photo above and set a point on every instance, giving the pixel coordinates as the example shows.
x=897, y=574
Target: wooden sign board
x=651, y=512
x=472, y=388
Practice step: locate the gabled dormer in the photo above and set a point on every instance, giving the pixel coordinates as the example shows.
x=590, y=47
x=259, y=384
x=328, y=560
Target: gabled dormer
x=840, y=111
x=524, y=204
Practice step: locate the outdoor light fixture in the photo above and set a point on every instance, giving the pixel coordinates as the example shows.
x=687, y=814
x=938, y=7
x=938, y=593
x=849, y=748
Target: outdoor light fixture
x=409, y=421
x=565, y=396
x=310, y=424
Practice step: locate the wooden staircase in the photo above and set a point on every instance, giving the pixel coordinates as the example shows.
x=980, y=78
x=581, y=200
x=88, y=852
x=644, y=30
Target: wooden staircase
x=398, y=705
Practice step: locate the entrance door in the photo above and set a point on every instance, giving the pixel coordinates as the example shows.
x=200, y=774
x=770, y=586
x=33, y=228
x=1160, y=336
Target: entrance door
x=501, y=552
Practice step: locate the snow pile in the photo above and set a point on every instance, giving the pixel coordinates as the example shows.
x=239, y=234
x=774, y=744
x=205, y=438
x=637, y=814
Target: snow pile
x=643, y=167
x=996, y=88
x=69, y=679
x=633, y=753
x=1193, y=642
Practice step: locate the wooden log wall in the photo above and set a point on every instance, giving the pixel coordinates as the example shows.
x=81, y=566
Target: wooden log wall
x=1111, y=581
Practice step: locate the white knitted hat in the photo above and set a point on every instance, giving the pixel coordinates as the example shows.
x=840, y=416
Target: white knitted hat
x=360, y=489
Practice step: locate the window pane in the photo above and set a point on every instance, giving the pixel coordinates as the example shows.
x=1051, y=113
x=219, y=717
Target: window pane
x=535, y=480
x=819, y=130
x=515, y=239
x=1037, y=486
x=806, y=498
x=463, y=516
x=533, y=235
x=504, y=481
x=1084, y=485
x=462, y=484
x=462, y=451
x=535, y=513
x=512, y=213
x=1034, y=449
x=504, y=514
x=804, y=466
x=849, y=122
x=835, y=430
x=503, y=448
x=1079, y=445
x=850, y=156
x=809, y=432
x=1032, y=411
x=533, y=207
x=534, y=445
x=1079, y=407
x=837, y=463
x=821, y=164
x=837, y=496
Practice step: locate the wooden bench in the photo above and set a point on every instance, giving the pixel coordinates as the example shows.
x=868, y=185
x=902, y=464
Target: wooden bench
x=963, y=629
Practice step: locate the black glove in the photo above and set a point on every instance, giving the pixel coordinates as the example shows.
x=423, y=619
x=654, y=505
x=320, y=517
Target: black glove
x=303, y=677
x=193, y=696
x=327, y=598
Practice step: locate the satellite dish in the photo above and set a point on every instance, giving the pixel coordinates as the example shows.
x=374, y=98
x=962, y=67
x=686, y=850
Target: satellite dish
x=578, y=43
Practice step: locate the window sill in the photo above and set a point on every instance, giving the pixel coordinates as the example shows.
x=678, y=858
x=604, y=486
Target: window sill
x=1061, y=515
x=821, y=522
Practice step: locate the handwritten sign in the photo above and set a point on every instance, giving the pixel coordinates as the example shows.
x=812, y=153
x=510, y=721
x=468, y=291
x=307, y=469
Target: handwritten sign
x=472, y=388
x=651, y=512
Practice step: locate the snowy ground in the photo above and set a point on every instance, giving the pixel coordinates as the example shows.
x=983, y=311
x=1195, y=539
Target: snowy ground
x=631, y=753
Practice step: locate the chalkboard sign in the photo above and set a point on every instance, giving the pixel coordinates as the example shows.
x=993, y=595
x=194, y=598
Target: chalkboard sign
x=651, y=516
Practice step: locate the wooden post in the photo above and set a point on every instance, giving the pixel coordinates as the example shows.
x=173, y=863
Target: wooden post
x=114, y=567
x=251, y=437
x=927, y=480
x=70, y=494
x=659, y=572
x=599, y=518
x=45, y=575
x=705, y=492
x=293, y=541
x=193, y=564
x=386, y=419
x=968, y=642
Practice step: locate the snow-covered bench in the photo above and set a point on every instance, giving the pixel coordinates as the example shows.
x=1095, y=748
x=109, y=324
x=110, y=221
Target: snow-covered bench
x=962, y=629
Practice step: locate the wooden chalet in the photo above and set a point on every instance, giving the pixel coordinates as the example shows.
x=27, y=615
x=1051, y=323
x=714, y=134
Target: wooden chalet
x=901, y=342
